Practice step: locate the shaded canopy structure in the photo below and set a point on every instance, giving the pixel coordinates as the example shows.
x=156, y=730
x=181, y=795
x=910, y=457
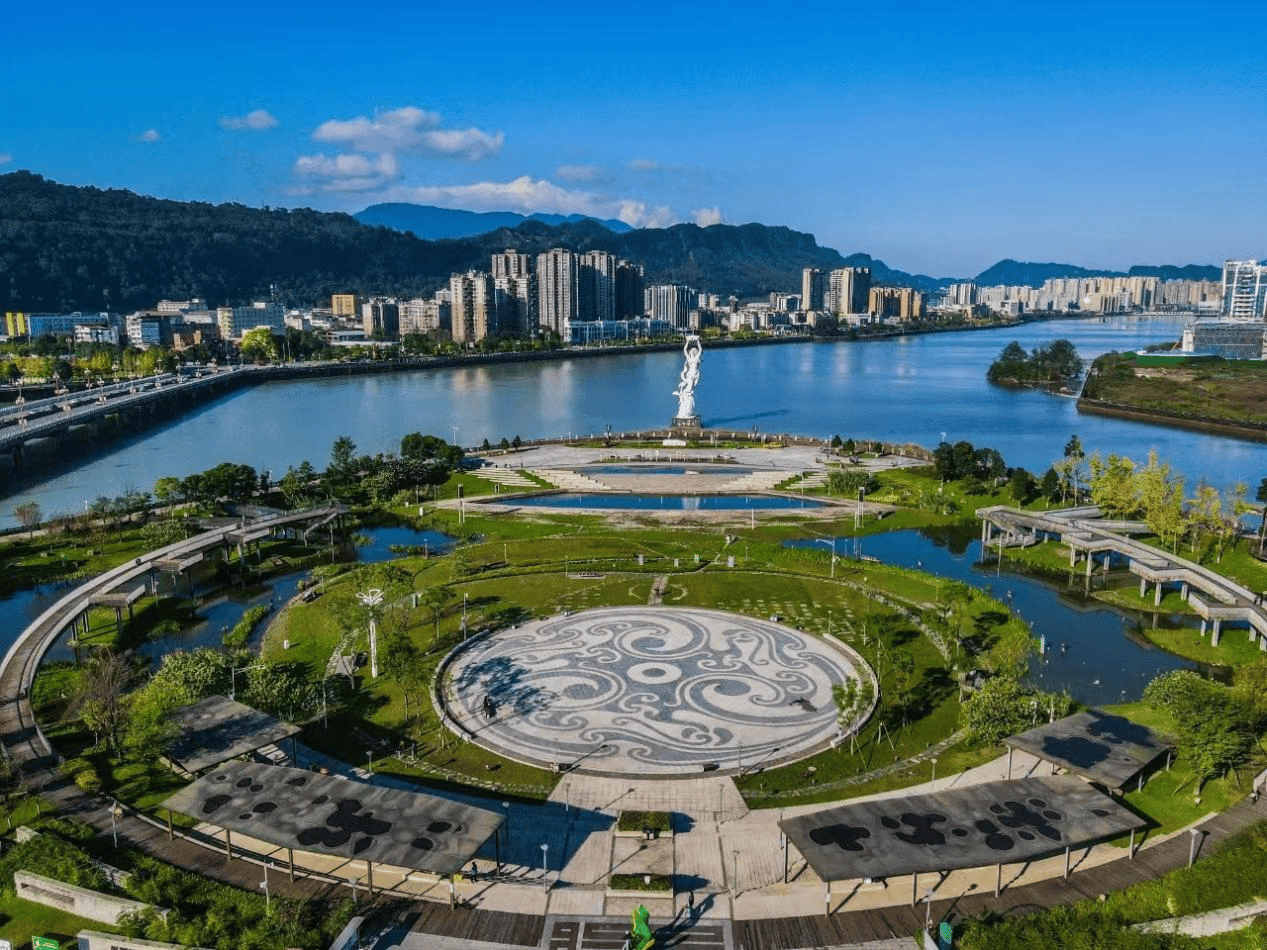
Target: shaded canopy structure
x=1102, y=748
x=976, y=826
x=294, y=808
x=218, y=729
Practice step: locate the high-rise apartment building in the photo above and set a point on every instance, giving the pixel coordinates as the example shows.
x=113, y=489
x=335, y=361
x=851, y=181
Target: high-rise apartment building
x=557, y=289
x=474, y=313
x=904, y=303
x=630, y=284
x=234, y=321
x=424, y=316
x=1244, y=290
x=596, y=292
x=813, y=289
x=670, y=303
x=848, y=290
x=380, y=318
x=510, y=263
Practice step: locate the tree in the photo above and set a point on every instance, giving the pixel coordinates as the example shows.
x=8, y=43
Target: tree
x=258, y=344
x=1112, y=485
x=1002, y=706
x=298, y=485
x=516, y=442
x=342, y=458
x=167, y=490
x=434, y=600
x=1214, y=725
x=101, y=698
x=29, y=515
x=1022, y=486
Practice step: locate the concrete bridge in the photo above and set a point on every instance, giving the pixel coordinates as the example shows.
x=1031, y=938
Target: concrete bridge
x=24, y=421
x=1216, y=599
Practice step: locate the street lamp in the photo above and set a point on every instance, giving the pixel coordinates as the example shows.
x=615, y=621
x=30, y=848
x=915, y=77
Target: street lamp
x=832, y=542
x=369, y=759
x=268, y=900
x=928, y=908
x=735, y=869
x=545, y=848
x=933, y=780
x=371, y=599
x=464, y=596
x=1195, y=833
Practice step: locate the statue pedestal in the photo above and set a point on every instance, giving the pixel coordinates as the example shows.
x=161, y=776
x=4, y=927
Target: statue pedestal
x=685, y=422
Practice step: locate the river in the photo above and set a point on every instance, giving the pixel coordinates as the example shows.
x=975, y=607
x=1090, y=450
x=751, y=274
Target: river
x=918, y=389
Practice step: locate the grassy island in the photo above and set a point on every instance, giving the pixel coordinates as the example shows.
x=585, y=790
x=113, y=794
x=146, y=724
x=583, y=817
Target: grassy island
x=1180, y=390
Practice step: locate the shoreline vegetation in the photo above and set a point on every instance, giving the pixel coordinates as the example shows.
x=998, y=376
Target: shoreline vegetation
x=1054, y=365
x=1203, y=393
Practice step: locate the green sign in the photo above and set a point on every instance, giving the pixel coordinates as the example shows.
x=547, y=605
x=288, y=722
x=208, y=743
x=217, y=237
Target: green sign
x=45, y=943
x=945, y=935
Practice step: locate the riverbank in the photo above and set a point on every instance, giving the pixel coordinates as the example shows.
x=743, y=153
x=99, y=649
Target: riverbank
x=1205, y=394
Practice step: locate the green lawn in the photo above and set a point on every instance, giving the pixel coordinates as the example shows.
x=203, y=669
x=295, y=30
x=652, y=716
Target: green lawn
x=21, y=920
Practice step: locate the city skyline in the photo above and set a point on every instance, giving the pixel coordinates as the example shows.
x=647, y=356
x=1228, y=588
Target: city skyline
x=938, y=140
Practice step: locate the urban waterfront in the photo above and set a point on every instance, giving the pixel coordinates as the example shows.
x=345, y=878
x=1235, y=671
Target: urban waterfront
x=918, y=389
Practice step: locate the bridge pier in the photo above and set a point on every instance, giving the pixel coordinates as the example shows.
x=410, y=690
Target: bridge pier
x=1157, y=595
x=1215, y=631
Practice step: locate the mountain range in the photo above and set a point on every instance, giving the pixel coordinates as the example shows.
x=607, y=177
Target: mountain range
x=65, y=248
x=432, y=223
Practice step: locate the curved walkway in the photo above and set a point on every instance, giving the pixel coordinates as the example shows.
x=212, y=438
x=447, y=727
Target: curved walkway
x=1215, y=598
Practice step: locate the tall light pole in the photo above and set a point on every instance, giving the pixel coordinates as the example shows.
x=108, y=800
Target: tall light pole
x=268, y=900
x=933, y=780
x=832, y=542
x=371, y=599
x=464, y=596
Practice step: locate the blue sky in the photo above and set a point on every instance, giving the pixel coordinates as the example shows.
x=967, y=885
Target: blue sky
x=939, y=137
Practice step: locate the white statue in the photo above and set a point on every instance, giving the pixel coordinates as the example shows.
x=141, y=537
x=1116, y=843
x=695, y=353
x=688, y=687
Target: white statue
x=685, y=391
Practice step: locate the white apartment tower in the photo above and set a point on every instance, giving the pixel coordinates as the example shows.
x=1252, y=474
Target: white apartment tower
x=1244, y=290
x=557, y=289
x=474, y=306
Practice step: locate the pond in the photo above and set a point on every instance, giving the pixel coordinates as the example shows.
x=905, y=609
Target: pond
x=1095, y=652
x=665, y=502
x=224, y=609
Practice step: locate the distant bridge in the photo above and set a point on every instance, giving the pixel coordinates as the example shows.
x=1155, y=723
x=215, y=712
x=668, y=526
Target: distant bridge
x=24, y=421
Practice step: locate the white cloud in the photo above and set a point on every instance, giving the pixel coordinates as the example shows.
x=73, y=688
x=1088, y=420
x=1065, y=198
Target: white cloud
x=150, y=135
x=645, y=165
x=255, y=121
x=5, y=158
x=409, y=129
x=346, y=172
x=580, y=173
x=529, y=194
x=707, y=217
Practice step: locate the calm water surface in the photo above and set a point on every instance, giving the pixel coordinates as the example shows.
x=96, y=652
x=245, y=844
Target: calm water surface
x=908, y=389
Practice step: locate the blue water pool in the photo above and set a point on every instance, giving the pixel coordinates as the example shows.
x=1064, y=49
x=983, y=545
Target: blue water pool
x=666, y=502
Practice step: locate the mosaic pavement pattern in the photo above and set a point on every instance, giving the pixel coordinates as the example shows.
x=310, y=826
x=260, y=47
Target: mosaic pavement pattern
x=649, y=691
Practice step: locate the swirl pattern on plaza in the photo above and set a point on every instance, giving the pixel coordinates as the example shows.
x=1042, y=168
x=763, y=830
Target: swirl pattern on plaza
x=649, y=691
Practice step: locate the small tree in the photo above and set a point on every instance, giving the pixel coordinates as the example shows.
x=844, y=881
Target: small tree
x=29, y=515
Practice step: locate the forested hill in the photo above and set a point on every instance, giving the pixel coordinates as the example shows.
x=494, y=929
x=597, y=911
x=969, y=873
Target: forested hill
x=70, y=248
x=1030, y=274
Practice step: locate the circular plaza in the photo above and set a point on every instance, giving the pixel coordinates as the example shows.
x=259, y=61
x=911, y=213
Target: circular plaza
x=652, y=691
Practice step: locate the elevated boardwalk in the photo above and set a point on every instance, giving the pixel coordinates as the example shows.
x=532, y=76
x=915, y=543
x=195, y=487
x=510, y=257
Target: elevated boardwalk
x=1216, y=599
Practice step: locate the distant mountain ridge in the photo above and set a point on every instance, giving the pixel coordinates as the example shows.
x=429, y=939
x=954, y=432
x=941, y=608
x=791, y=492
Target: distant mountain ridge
x=432, y=223
x=65, y=248
x=1029, y=274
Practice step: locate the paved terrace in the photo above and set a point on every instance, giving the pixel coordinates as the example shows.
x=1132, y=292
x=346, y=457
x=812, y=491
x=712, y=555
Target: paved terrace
x=1215, y=598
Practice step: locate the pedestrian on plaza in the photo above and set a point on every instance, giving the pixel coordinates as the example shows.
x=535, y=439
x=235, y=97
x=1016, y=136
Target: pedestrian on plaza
x=475, y=872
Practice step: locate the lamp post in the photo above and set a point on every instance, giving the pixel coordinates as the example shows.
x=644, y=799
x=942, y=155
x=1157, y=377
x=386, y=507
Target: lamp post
x=369, y=760
x=268, y=900
x=832, y=542
x=933, y=780
x=735, y=870
x=464, y=596
x=371, y=599
x=545, y=850
x=928, y=909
